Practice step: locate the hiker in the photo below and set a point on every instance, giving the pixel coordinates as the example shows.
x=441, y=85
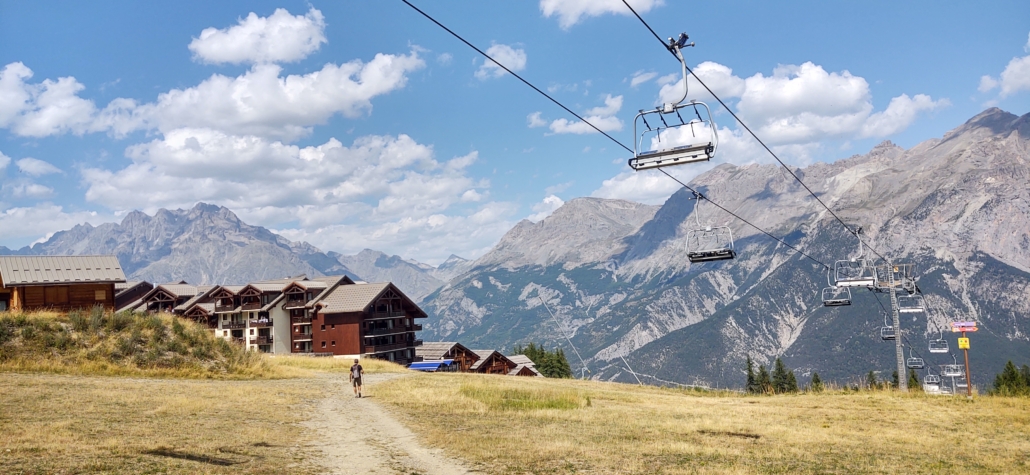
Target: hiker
x=355, y=377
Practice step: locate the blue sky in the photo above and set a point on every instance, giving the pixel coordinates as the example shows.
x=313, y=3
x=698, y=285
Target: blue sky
x=361, y=124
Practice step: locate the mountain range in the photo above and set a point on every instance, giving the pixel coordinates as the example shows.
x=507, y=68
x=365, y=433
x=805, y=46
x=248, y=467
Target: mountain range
x=609, y=281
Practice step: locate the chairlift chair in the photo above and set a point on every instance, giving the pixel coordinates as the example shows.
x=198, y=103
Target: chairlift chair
x=939, y=345
x=911, y=304
x=836, y=296
x=932, y=379
x=708, y=243
x=914, y=362
x=855, y=272
x=951, y=370
x=675, y=141
x=887, y=330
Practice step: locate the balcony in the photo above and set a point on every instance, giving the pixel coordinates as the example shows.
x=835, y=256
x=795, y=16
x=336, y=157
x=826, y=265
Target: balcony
x=386, y=331
x=238, y=339
x=259, y=323
x=252, y=306
x=261, y=340
x=301, y=320
x=415, y=328
x=295, y=303
x=388, y=347
x=301, y=337
x=378, y=315
x=416, y=343
x=233, y=326
x=219, y=307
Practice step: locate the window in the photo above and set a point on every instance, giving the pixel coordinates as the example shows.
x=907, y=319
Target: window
x=323, y=344
x=334, y=342
x=323, y=327
x=333, y=326
x=100, y=295
x=225, y=332
x=225, y=317
x=251, y=331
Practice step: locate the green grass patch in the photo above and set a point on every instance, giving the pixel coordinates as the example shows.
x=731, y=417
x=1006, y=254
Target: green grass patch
x=513, y=399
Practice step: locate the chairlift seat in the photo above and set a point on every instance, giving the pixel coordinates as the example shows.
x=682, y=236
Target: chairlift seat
x=961, y=384
x=887, y=333
x=701, y=152
x=836, y=297
x=711, y=255
x=938, y=346
x=854, y=274
x=951, y=370
x=915, y=363
x=911, y=304
x=710, y=244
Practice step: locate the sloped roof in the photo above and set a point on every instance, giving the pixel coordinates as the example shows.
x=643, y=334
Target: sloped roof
x=435, y=350
x=130, y=306
x=518, y=369
x=521, y=360
x=202, y=291
x=352, y=298
x=484, y=355
x=272, y=304
x=41, y=270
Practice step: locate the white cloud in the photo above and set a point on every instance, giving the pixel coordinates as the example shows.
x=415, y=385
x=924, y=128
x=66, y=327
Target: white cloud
x=36, y=167
x=28, y=190
x=650, y=187
x=900, y=113
x=280, y=37
x=603, y=117
x=641, y=77
x=4, y=160
x=534, y=120
x=511, y=58
x=545, y=208
x=27, y=224
x=445, y=58
x=570, y=12
x=718, y=77
x=259, y=102
x=47, y=108
x=1015, y=78
x=379, y=185
x=560, y=187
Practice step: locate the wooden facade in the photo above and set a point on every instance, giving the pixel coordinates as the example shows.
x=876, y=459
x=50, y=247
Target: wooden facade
x=375, y=320
x=492, y=362
x=60, y=298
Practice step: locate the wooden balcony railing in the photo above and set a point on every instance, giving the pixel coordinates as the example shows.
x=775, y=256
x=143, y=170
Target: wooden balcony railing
x=300, y=320
x=391, y=314
x=295, y=303
x=233, y=326
x=224, y=307
x=387, y=347
x=260, y=323
x=415, y=328
x=261, y=340
x=386, y=331
x=252, y=306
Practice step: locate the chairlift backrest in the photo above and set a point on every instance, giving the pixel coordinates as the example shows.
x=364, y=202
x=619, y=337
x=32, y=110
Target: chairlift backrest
x=836, y=296
x=674, y=141
x=708, y=243
x=887, y=333
x=911, y=304
x=939, y=345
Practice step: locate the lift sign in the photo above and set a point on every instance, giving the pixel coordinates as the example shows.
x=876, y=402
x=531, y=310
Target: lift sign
x=963, y=343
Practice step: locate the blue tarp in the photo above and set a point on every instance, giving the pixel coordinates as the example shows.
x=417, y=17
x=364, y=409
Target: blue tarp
x=430, y=365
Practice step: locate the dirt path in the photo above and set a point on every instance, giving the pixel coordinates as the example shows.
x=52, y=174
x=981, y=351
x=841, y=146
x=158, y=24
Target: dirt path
x=357, y=436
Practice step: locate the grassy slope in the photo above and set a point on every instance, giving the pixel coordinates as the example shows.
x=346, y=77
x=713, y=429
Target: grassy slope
x=523, y=425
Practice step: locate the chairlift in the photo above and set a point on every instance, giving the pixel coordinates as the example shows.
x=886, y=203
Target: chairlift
x=953, y=370
x=836, y=296
x=911, y=304
x=708, y=243
x=856, y=271
x=939, y=345
x=932, y=379
x=675, y=141
x=887, y=331
x=914, y=362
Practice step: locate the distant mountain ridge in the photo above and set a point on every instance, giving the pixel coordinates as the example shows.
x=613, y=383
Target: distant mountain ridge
x=209, y=244
x=620, y=284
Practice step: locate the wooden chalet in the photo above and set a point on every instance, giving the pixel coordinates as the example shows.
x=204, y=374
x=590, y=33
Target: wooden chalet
x=372, y=319
x=127, y=293
x=61, y=283
x=463, y=357
x=492, y=362
x=523, y=366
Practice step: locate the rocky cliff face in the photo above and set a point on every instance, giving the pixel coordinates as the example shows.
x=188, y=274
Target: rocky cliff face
x=618, y=282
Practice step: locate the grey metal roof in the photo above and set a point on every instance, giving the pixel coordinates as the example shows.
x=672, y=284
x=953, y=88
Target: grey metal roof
x=127, y=284
x=272, y=304
x=202, y=292
x=130, y=306
x=521, y=360
x=352, y=297
x=434, y=350
x=41, y=270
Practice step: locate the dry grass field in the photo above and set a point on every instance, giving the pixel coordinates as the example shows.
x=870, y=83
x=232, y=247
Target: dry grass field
x=507, y=425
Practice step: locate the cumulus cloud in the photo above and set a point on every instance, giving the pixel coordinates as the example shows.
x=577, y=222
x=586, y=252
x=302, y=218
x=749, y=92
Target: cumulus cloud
x=900, y=113
x=603, y=117
x=329, y=190
x=36, y=167
x=570, y=12
x=47, y=108
x=544, y=208
x=4, y=160
x=512, y=58
x=1015, y=78
x=27, y=224
x=534, y=120
x=28, y=190
x=259, y=102
x=280, y=37
x=718, y=77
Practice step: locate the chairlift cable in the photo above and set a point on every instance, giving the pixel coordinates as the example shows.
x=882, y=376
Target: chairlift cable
x=562, y=328
x=741, y=122
x=613, y=139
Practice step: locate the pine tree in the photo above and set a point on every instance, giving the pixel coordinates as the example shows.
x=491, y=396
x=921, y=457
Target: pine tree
x=562, y=363
x=792, y=382
x=1026, y=374
x=817, y=384
x=1010, y=382
x=779, y=377
x=871, y=381
x=765, y=385
x=895, y=380
x=751, y=387
x=913, y=380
